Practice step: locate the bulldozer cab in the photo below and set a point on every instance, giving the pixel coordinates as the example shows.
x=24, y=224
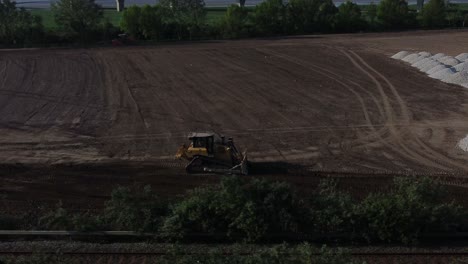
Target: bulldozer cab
x=203, y=142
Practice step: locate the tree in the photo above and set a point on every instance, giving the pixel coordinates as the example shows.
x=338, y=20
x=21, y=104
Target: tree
x=187, y=15
x=78, y=17
x=372, y=13
x=325, y=17
x=150, y=22
x=234, y=24
x=301, y=16
x=130, y=21
x=434, y=14
x=348, y=18
x=18, y=26
x=393, y=14
x=269, y=17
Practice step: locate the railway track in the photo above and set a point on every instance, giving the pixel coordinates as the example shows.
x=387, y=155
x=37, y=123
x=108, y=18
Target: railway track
x=153, y=257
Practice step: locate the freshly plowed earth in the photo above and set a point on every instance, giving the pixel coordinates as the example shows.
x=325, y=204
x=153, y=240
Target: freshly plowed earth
x=117, y=115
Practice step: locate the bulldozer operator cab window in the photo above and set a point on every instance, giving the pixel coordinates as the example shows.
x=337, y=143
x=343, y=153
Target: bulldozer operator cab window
x=199, y=142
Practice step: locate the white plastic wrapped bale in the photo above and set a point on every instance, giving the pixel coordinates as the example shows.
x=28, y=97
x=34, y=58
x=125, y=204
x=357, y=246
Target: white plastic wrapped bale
x=450, y=61
x=442, y=74
x=430, y=65
x=400, y=55
x=422, y=63
x=425, y=53
x=436, y=69
x=463, y=143
x=410, y=58
x=456, y=78
x=462, y=57
x=438, y=55
x=460, y=66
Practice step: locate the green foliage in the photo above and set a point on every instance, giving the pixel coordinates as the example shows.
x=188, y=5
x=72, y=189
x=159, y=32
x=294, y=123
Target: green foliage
x=61, y=219
x=237, y=209
x=18, y=26
x=393, y=14
x=269, y=17
x=186, y=16
x=325, y=17
x=151, y=22
x=78, y=17
x=348, y=18
x=434, y=14
x=414, y=207
x=130, y=21
x=137, y=210
x=372, y=13
x=234, y=24
x=301, y=16
x=332, y=211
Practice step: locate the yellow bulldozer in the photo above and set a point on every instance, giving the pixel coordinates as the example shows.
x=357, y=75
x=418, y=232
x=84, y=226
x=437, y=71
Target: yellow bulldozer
x=210, y=152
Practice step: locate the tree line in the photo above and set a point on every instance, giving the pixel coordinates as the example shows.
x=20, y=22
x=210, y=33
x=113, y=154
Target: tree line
x=82, y=21
x=258, y=210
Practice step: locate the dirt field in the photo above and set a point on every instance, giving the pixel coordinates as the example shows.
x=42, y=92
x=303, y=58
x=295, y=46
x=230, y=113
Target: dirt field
x=323, y=103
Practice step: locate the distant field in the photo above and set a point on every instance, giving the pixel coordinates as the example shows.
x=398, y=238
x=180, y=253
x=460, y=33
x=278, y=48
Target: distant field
x=49, y=22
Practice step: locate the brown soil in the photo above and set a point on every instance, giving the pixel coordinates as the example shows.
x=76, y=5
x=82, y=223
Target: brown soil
x=80, y=122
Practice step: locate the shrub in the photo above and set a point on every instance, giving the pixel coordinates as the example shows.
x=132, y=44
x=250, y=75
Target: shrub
x=137, y=210
x=61, y=219
x=237, y=209
x=413, y=207
x=332, y=211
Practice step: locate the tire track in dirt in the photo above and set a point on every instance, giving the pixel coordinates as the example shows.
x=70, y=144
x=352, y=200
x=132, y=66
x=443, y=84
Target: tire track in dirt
x=407, y=119
x=407, y=152
x=375, y=133
x=396, y=134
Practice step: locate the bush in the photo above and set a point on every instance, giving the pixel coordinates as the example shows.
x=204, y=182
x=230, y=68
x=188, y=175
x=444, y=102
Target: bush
x=61, y=219
x=237, y=209
x=332, y=211
x=137, y=210
x=414, y=207
x=301, y=16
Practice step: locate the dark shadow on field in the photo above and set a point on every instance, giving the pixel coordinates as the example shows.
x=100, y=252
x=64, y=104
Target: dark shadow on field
x=274, y=168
